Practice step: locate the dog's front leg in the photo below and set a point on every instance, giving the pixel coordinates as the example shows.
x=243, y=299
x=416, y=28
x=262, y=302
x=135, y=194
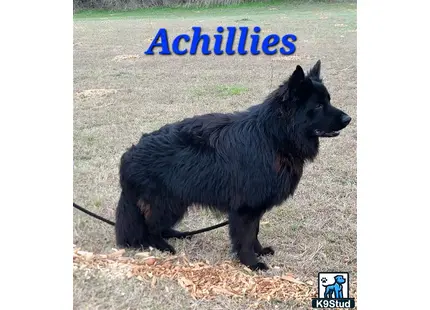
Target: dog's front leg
x=258, y=248
x=339, y=293
x=243, y=230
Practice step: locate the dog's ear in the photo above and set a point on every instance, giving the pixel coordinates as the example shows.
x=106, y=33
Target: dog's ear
x=297, y=77
x=316, y=71
x=298, y=85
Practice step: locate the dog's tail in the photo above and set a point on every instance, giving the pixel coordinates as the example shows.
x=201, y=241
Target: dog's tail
x=177, y=234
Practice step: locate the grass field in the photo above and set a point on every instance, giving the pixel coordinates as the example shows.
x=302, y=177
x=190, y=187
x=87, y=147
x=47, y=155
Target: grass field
x=119, y=93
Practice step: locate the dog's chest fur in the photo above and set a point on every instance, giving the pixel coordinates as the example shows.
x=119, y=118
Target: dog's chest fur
x=289, y=170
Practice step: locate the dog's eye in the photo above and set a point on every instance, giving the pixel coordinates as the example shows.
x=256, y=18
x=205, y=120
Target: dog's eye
x=319, y=106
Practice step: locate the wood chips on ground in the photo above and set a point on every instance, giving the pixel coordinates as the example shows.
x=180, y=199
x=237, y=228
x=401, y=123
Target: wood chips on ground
x=199, y=279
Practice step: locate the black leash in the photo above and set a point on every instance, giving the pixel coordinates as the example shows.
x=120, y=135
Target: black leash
x=93, y=214
x=199, y=231
x=182, y=234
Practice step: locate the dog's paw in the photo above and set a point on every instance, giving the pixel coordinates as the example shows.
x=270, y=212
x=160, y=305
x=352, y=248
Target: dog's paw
x=267, y=251
x=259, y=266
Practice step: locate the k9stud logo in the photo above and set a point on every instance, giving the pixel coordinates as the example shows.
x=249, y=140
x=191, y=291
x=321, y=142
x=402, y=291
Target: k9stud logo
x=333, y=291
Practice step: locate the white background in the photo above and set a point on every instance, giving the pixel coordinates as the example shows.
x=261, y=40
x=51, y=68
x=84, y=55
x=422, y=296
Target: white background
x=37, y=135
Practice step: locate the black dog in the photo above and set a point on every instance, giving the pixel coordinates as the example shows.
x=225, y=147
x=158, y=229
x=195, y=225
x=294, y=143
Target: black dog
x=241, y=164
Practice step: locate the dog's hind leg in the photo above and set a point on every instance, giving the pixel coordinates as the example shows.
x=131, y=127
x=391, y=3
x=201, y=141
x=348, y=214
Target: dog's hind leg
x=156, y=238
x=164, y=214
x=159, y=243
x=258, y=248
x=243, y=230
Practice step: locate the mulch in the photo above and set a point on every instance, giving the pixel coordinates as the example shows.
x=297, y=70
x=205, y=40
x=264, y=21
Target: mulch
x=200, y=279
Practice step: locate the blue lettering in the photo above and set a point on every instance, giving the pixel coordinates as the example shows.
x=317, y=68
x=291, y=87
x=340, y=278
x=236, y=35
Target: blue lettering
x=218, y=41
x=230, y=40
x=287, y=43
x=176, y=42
x=196, y=40
x=266, y=44
x=242, y=41
x=164, y=44
x=254, y=43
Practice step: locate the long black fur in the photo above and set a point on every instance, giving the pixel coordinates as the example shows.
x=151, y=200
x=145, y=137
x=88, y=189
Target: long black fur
x=241, y=164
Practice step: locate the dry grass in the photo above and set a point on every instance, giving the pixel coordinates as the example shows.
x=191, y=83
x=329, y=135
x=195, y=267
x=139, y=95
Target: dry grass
x=315, y=231
x=134, y=4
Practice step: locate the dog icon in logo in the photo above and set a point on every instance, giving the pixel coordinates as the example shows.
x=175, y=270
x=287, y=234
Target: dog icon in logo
x=334, y=290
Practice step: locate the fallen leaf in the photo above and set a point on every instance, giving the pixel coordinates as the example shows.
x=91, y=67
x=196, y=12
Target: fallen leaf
x=150, y=261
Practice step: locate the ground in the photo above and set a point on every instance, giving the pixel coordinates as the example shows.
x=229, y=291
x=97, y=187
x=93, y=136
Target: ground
x=119, y=93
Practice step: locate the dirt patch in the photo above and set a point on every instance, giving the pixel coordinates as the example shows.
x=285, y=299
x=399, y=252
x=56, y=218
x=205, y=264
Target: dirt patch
x=125, y=57
x=91, y=93
x=291, y=58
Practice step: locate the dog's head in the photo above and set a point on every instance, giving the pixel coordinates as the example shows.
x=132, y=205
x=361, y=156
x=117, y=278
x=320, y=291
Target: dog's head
x=306, y=99
x=339, y=279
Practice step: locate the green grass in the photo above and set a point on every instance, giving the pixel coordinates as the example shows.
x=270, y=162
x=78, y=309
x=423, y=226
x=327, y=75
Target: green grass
x=226, y=91
x=222, y=91
x=250, y=8
x=97, y=203
x=90, y=139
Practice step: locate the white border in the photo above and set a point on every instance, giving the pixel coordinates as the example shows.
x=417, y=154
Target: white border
x=393, y=107
x=37, y=138
x=36, y=157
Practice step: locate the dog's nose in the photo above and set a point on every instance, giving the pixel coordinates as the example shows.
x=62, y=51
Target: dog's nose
x=345, y=119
